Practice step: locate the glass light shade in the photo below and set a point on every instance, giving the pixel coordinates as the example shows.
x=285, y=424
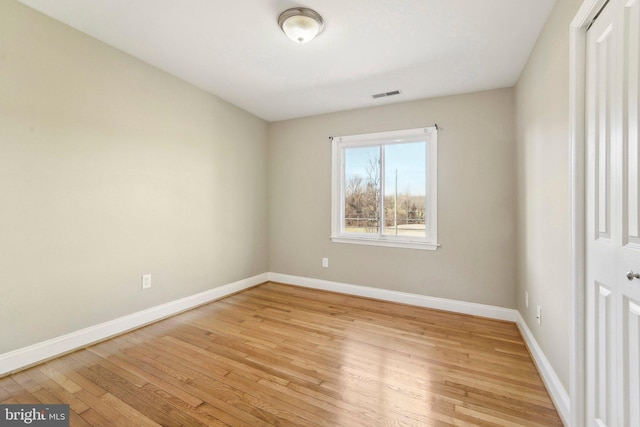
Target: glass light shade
x=301, y=25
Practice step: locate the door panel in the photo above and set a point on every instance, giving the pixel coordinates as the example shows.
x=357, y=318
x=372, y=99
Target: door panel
x=630, y=93
x=631, y=342
x=605, y=368
x=602, y=97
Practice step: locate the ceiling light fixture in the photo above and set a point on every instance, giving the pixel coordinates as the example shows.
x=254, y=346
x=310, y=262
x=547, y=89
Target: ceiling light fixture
x=301, y=24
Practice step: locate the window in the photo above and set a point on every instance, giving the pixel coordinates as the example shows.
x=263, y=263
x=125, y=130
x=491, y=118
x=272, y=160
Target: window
x=384, y=189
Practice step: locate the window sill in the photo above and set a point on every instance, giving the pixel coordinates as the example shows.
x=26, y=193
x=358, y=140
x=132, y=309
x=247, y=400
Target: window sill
x=407, y=244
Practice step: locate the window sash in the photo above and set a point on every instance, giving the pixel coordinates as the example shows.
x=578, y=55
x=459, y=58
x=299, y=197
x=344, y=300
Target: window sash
x=381, y=140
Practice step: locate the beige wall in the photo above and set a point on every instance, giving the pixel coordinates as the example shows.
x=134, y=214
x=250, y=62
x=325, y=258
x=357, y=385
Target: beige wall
x=476, y=193
x=542, y=105
x=110, y=169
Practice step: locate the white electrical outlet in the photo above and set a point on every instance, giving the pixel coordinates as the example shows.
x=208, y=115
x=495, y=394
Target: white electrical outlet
x=325, y=262
x=146, y=281
x=526, y=299
x=539, y=315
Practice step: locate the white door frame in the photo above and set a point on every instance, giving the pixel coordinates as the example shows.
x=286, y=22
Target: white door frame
x=577, y=85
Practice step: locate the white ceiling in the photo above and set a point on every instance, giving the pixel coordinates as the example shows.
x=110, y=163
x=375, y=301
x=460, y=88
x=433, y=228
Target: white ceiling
x=235, y=49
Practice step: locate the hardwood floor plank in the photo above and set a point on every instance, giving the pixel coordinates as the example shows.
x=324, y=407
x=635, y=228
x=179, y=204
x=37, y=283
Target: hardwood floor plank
x=97, y=404
x=145, y=372
x=279, y=355
x=76, y=420
x=210, y=385
x=68, y=367
x=160, y=410
x=93, y=418
x=50, y=371
x=4, y=395
x=18, y=393
x=27, y=382
x=51, y=392
x=200, y=386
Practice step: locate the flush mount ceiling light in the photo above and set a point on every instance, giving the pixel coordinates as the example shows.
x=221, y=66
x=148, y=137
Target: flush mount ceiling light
x=301, y=24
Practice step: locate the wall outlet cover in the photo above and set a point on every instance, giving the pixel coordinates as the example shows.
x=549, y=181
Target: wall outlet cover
x=146, y=281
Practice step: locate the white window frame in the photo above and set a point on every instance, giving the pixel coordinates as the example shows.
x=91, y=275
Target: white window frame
x=429, y=135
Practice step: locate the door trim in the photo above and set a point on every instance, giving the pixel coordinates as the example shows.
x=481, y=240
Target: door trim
x=577, y=156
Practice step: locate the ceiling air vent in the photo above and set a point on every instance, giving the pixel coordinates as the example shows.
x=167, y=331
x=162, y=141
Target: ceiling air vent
x=383, y=94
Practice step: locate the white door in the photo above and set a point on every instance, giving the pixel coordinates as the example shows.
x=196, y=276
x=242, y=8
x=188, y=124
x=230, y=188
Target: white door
x=613, y=216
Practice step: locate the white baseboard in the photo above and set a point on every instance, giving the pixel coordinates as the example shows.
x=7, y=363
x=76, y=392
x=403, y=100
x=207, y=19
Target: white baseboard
x=474, y=309
x=33, y=354
x=556, y=390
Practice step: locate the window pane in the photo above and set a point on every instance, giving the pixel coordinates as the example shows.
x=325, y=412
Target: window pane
x=405, y=189
x=362, y=190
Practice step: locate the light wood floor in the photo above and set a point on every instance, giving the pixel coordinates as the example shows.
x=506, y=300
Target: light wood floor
x=282, y=355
